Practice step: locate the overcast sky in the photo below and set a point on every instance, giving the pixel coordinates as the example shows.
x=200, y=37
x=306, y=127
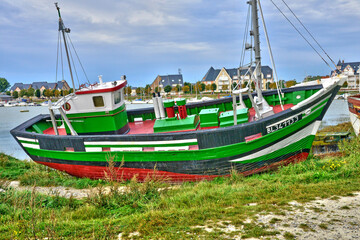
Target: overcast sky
x=145, y=38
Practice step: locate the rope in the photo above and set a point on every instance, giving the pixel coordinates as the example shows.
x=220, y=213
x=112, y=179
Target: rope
x=301, y=34
x=79, y=60
x=309, y=32
x=271, y=54
x=74, y=67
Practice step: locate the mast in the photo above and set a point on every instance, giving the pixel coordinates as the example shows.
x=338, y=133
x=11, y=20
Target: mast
x=65, y=30
x=256, y=35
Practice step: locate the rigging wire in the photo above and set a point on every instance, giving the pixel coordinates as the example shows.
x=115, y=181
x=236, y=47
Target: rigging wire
x=309, y=32
x=271, y=54
x=301, y=34
x=73, y=63
x=78, y=59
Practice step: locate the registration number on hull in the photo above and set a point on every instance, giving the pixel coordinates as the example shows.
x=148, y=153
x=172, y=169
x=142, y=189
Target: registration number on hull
x=280, y=125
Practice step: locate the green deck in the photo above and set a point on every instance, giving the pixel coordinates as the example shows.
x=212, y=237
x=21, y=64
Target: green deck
x=227, y=118
x=174, y=124
x=209, y=117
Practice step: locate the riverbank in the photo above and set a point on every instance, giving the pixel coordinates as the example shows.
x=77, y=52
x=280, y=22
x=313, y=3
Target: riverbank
x=280, y=204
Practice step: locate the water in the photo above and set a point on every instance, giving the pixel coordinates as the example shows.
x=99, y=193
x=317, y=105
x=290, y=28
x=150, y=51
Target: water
x=11, y=117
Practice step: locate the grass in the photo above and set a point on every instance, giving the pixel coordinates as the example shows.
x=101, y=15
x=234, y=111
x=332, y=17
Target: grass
x=172, y=213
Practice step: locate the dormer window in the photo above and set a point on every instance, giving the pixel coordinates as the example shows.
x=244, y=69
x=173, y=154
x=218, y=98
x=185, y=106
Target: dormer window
x=98, y=101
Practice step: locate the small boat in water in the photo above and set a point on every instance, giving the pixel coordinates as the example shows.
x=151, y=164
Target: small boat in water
x=11, y=104
x=249, y=132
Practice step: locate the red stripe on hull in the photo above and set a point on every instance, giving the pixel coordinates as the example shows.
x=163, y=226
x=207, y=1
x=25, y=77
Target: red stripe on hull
x=99, y=172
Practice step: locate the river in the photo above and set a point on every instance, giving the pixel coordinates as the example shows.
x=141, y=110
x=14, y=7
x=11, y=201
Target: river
x=11, y=117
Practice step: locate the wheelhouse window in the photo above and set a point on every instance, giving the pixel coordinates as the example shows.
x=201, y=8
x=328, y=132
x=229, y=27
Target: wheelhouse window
x=117, y=97
x=98, y=101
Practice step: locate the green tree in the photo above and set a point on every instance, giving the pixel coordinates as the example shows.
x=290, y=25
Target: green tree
x=15, y=94
x=4, y=84
x=23, y=92
x=167, y=89
x=147, y=89
x=268, y=85
x=8, y=93
x=65, y=92
x=290, y=83
x=178, y=88
x=233, y=85
x=345, y=85
x=37, y=93
x=30, y=92
x=156, y=89
x=56, y=93
x=186, y=89
x=213, y=87
x=208, y=87
x=138, y=91
x=128, y=90
x=47, y=93
x=202, y=87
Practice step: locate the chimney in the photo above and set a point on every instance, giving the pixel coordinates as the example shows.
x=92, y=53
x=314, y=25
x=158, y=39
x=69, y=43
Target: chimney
x=343, y=61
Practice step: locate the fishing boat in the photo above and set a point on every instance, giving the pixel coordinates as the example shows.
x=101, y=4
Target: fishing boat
x=90, y=129
x=354, y=111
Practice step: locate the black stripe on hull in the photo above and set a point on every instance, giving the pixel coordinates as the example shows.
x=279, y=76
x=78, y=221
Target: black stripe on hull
x=199, y=167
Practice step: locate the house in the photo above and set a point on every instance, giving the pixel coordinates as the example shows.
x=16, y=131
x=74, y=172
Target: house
x=224, y=78
x=5, y=98
x=350, y=69
x=42, y=86
x=167, y=80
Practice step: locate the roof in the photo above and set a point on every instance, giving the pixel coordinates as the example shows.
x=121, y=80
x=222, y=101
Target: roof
x=17, y=85
x=353, y=65
x=38, y=85
x=171, y=79
x=2, y=96
x=212, y=73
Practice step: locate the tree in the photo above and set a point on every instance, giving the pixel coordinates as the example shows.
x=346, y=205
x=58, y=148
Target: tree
x=65, y=92
x=15, y=94
x=345, y=85
x=4, y=84
x=225, y=87
x=186, y=89
x=202, y=87
x=233, y=85
x=268, y=85
x=57, y=93
x=272, y=85
x=138, y=91
x=156, y=89
x=23, y=92
x=290, y=83
x=128, y=90
x=147, y=89
x=167, y=89
x=213, y=87
x=30, y=92
x=8, y=93
x=37, y=93
x=47, y=93
x=178, y=88
x=187, y=84
x=244, y=85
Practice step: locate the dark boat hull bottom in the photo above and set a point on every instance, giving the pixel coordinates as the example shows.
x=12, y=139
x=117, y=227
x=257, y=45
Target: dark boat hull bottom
x=125, y=173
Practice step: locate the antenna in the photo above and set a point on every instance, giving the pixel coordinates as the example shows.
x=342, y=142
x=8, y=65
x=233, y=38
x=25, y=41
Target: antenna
x=179, y=70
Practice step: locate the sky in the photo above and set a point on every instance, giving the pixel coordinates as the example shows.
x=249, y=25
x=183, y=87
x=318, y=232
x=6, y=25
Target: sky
x=145, y=38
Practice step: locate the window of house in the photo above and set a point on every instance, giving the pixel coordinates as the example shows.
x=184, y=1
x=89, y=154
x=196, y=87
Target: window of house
x=98, y=101
x=117, y=97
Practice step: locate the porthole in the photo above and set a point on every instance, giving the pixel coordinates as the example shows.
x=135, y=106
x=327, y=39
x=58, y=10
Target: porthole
x=298, y=97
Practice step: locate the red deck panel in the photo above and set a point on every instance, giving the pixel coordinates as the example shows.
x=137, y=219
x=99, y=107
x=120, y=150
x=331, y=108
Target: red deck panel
x=50, y=131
